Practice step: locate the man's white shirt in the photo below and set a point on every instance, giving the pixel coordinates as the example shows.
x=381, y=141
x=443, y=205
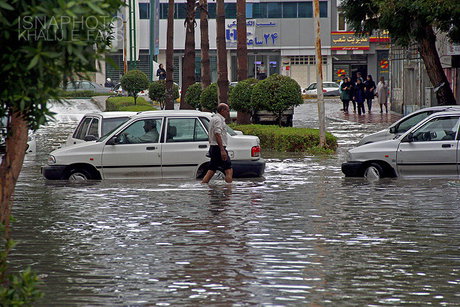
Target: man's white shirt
x=217, y=125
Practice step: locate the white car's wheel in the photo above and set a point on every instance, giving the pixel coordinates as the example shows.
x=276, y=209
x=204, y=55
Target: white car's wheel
x=373, y=172
x=79, y=175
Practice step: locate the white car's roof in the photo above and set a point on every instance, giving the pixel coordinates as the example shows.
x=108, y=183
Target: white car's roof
x=112, y=114
x=173, y=113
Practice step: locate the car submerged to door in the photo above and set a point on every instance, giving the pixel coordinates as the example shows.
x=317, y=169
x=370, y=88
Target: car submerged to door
x=404, y=124
x=179, y=152
x=429, y=149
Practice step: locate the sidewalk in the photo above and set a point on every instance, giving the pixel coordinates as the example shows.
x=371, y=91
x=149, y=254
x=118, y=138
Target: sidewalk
x=374, y=117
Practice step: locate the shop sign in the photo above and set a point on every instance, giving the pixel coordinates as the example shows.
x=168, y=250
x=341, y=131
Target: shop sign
x=349, y=41
x=380, y=37
x=255, y=38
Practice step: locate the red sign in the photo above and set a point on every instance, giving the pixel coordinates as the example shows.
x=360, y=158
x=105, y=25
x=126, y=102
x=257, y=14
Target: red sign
x=383, y=64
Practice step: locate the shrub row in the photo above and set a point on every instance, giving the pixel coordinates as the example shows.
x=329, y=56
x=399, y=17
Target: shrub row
x=127, y=104
x=289, y=139
x=80, y=94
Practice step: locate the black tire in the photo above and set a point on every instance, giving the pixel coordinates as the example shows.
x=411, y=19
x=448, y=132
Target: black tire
x=79, y=174
x=373, y=171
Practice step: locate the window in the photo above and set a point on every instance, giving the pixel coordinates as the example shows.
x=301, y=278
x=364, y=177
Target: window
x=274, y=10
x=86, y=85
x=230, y=10
x=249, y=10
x=323, y=9
x=144, y=10
x=109, y=124
x=94, y=128
x=290, y=10
x=299, y=60
x=260, y=10
x=438, y=129
x=141, y=131
x=305, y=10
x=181, y=11
x=341, y=25
x=185, y=130
x=80, y=132
x=411, y=121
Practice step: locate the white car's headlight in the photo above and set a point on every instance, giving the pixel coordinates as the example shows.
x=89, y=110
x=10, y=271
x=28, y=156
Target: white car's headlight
x=51, y=160
x=348, y=156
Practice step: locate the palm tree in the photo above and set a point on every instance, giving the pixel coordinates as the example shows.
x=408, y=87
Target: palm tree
x=222, y=73
x=169, y=102
x=205, y=63
x=242, y=54
x=188, y=68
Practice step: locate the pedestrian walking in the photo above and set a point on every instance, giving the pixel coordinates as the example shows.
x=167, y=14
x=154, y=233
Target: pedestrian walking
x=369, y=89
x=261, y=71
x=220, y=160
x=382, y=94
x=161, y=73
x=359, y=96
x=354, y=81
x=345, y=93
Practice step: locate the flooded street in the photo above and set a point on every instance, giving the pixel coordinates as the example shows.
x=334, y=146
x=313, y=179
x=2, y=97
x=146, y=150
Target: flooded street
x=302, y=235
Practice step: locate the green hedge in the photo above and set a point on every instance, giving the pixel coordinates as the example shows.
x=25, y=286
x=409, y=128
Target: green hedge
x=127, y=104
x=289, y=139
x=80, y=94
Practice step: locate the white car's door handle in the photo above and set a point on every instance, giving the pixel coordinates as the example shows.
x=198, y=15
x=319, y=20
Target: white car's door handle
x=202, y=146
x=151, y=148
x=446, y=145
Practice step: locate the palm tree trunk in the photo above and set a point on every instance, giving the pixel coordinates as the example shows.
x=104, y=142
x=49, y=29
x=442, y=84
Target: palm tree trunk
x=169, y=101
x=429, y=53
x=242, y=54
x=188, y=69
x=222, y=72
x=205, y=63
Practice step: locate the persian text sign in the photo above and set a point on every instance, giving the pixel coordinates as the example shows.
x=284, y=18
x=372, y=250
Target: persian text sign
x=349, y=41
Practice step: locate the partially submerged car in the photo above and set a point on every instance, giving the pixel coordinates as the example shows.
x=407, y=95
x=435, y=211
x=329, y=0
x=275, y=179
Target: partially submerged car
x=404, y=124
x=31, y=141
x=179, y=152
x=94, y=125
x=429, y=149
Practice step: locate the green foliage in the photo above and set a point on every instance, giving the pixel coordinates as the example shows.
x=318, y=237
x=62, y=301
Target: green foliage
x=133, y=82
x=21, y=289
x=157, y=92
x=192, y=97
x=276, y=94
x=405, y=19
x=127, y=104
x=33, y=66
x=80, y=94
x=240, y=96
x=289, y=139
x=209, y=99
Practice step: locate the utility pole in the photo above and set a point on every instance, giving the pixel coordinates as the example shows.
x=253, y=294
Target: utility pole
x=125, y=47
x=319, y=76
x=153, y=36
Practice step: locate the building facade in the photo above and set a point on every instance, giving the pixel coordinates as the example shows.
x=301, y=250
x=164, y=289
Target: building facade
x=280, y=38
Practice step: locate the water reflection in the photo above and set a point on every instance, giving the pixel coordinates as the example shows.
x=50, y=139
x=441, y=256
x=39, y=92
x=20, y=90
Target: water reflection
x=303, y=235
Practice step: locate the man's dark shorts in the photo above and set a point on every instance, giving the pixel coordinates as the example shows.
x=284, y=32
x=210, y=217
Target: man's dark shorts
x=216, y=162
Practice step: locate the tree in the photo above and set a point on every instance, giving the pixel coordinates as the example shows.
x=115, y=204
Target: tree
x=276, y=94
x=188, y=70
x=157, y=92
x=241, y=97
x=169, y=103
x=222, y=73
x=242, y=54
x=205, y=63
x=409, y=21
x=42, y=46
x=209, y=98
x=193, y=95
x=133, y=82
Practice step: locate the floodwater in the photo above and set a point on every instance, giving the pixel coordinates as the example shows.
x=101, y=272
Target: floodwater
x=302, y=235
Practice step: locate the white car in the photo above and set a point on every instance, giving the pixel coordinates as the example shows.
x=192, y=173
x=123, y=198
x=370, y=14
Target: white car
x=429, y=149
x=404, y=124
x=31, y=142
x=330, y=88
x=180, y=151
x=95, y=125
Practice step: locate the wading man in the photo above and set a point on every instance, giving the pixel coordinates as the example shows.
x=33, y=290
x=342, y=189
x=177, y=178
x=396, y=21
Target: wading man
x=217, y=145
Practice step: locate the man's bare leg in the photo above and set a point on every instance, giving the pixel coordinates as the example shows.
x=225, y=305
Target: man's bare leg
x=228, y=175
x=208, y=176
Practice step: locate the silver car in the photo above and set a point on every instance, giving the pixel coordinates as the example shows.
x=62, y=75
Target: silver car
x=404, y=124
x=429, y=149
